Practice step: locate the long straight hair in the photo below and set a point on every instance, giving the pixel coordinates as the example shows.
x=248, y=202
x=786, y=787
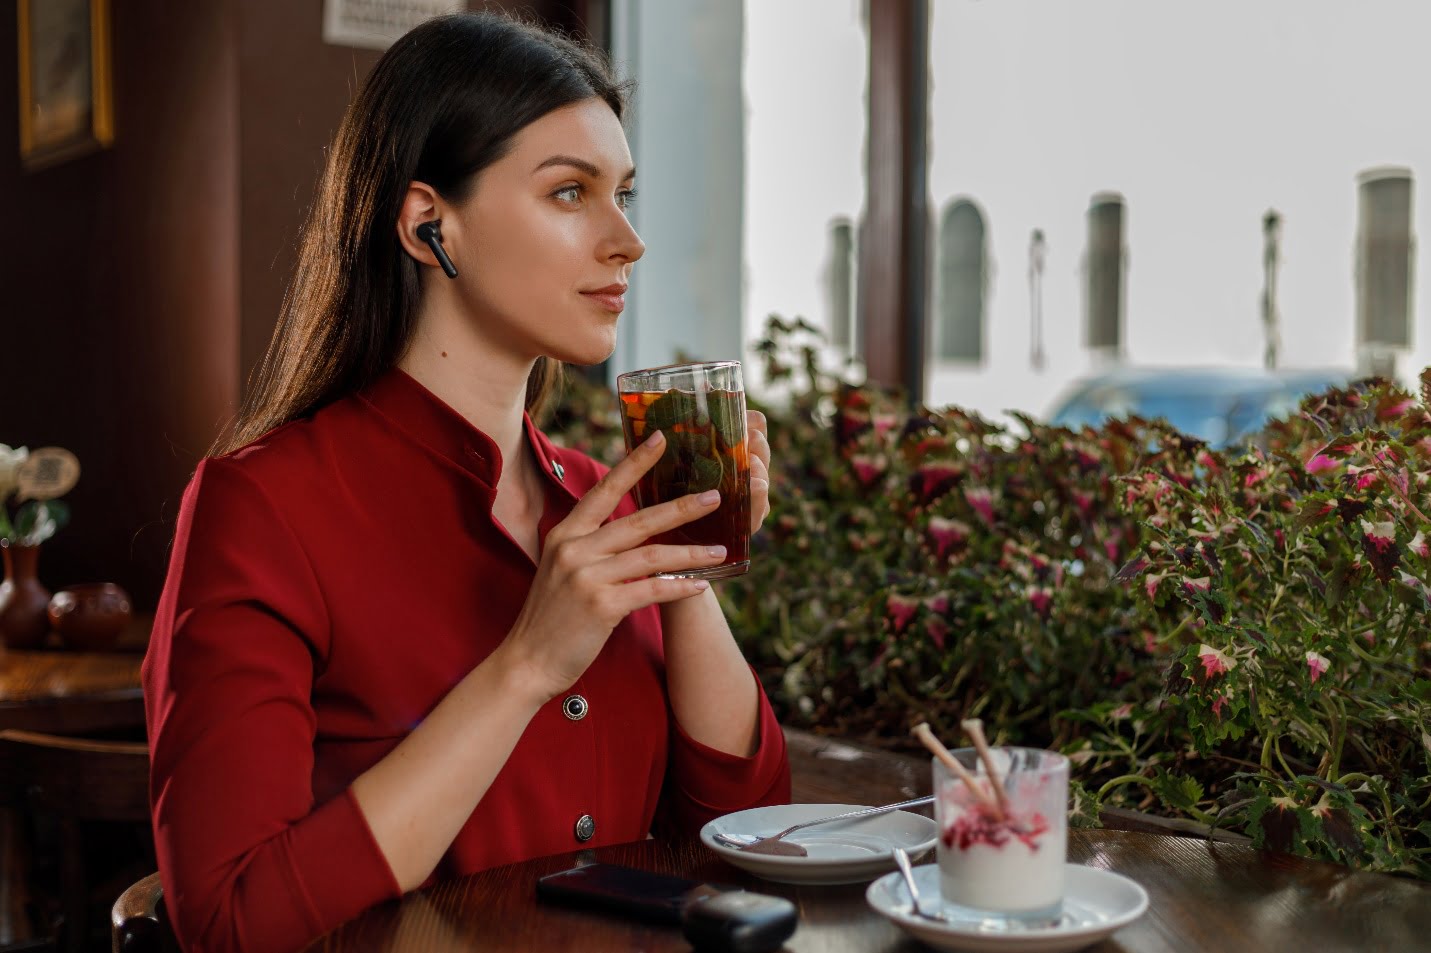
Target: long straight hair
x=443, y=103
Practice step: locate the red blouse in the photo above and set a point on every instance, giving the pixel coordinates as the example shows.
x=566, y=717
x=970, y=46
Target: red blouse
x=329, y=584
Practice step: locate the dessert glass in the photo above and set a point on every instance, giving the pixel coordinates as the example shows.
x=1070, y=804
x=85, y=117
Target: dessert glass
x=1006, y=873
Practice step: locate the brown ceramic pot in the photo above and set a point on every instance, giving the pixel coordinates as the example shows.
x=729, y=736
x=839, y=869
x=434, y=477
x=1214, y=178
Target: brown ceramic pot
x=23, y=600
x=90, y=617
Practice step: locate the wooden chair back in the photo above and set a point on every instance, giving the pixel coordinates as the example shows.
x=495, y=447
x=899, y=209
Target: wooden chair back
x=77, y=777
x=72, y=780
x=138, y=922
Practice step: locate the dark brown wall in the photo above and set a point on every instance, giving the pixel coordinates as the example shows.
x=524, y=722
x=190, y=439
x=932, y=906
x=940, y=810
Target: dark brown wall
x=141, y=284
x=294, y=91
x=119, y=316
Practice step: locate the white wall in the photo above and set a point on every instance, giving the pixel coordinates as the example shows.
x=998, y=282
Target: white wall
x=686, y=132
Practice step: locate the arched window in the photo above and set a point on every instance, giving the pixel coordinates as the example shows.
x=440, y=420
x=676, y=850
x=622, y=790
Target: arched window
x=840, y=283
x=962, y=280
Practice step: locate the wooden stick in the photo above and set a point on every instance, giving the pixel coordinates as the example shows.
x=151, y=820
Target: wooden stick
x=926, y=737
x=975, y=729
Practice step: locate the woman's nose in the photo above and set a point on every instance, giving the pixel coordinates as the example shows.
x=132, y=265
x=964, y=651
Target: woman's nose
x=622, y=243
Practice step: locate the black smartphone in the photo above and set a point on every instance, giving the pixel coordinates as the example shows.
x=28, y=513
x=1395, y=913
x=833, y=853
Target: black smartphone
x=713, y=917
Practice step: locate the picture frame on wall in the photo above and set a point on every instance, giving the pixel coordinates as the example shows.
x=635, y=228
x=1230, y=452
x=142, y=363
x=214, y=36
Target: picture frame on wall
x=66, y=87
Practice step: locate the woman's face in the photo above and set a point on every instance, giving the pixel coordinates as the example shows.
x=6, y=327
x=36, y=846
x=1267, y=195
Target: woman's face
x=544, y=249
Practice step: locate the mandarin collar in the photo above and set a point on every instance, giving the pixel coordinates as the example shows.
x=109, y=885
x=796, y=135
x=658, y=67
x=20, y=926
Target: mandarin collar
x=426, y=418
x=548, y=457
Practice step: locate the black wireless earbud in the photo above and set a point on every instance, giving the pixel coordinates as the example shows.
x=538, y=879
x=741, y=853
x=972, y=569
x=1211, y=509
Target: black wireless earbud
x=431, y=233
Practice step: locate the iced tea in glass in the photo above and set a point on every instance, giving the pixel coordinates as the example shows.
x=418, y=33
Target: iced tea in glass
x=701, y=410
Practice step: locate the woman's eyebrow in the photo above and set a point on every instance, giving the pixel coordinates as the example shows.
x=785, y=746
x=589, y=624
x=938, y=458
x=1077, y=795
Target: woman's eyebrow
x=579, y=164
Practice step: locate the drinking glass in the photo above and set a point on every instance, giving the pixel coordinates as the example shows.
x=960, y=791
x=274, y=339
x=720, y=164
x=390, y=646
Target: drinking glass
x=701, y=410
x=1006, y=874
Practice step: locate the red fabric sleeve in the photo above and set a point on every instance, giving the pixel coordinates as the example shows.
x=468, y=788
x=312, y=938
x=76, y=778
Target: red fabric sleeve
x=249, y=861
x=703, y=783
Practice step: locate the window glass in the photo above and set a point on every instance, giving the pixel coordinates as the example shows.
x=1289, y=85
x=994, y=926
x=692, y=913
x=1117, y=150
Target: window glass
x=1202, y=117
x=806, y=68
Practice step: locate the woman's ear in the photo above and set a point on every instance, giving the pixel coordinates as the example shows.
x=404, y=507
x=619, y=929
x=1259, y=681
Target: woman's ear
x=421, y=204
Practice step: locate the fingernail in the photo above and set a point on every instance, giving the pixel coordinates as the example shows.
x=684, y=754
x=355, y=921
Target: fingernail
x=715, y=552
x=656, y=439
x=756, y=483
x=701, y=584
x=708, y=497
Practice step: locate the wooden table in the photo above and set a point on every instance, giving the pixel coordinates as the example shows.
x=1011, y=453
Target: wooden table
x=64, y=692
x=70, y=693
x=1204, y=895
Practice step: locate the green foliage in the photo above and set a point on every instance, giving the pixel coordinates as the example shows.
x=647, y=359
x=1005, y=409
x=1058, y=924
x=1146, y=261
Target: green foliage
x=1236, y=638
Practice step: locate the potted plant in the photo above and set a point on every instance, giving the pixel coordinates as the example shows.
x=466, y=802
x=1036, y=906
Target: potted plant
x=34, y=482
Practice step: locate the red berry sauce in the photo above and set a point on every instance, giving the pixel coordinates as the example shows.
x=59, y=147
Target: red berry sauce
x=977, y=826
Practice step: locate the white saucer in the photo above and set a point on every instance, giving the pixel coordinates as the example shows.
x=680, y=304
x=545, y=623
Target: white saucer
x=845, y=852
x=1095, y=903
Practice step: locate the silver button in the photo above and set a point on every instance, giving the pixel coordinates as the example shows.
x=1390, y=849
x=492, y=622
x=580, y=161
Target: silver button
x=575, y=707
x=559, y=470
x=585, y=828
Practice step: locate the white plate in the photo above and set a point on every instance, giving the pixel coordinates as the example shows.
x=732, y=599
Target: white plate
x=1095, y=903
x=845, y=852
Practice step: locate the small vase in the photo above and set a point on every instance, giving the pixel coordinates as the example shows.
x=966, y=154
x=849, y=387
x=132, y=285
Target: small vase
x=90, y=617
x=24, y=603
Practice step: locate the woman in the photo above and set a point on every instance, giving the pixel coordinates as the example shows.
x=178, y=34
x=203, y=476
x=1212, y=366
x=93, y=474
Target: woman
x=403, y=636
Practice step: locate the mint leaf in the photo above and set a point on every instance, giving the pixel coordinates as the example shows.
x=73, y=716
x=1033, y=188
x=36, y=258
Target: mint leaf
x=672, y=408
x=727, y=411
x=706, y=473
x=689, y=465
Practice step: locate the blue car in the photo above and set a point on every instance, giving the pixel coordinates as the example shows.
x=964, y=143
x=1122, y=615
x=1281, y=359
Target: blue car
x=1220, y=405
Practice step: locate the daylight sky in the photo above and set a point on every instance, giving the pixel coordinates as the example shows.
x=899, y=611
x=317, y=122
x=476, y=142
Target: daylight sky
x=1202, y=115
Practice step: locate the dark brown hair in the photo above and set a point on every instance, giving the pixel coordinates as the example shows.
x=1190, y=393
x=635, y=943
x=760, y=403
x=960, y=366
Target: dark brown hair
x=443, y=103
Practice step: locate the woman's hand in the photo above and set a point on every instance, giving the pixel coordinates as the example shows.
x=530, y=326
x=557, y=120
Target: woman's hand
x=759, y=449
x=593, y=574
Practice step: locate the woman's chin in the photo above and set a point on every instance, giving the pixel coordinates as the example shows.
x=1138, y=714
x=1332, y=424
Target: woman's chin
x=586, y=353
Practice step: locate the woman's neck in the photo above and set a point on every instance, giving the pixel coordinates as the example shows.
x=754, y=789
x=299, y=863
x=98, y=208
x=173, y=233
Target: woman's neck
x=489, y=393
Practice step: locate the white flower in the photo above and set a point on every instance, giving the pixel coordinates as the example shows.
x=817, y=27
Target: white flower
x=45, y=527
x=10, y=461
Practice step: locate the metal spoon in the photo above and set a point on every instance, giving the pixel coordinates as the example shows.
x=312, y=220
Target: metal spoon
x=902, y=859
x=775, y=846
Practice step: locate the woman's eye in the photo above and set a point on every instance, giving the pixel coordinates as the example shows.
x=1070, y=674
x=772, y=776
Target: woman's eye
x=625, y=197
x=572, y=193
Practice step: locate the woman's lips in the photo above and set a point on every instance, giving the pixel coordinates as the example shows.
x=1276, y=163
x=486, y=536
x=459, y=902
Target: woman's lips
x=611, y=302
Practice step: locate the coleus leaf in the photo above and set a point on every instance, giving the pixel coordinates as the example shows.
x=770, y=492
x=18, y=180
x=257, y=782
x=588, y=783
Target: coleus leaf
x=1132, y=568
x=1339, y=830
x=1177, y=791
x=1083, y=806
x=1279, y=824
x=1349, y=509
x=1209, y=556
x=1392, y=404
x=1340, y=579
x=1313, y=510
x=1378, y=541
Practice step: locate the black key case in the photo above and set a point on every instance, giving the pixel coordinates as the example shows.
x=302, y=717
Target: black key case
x=714, y=918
